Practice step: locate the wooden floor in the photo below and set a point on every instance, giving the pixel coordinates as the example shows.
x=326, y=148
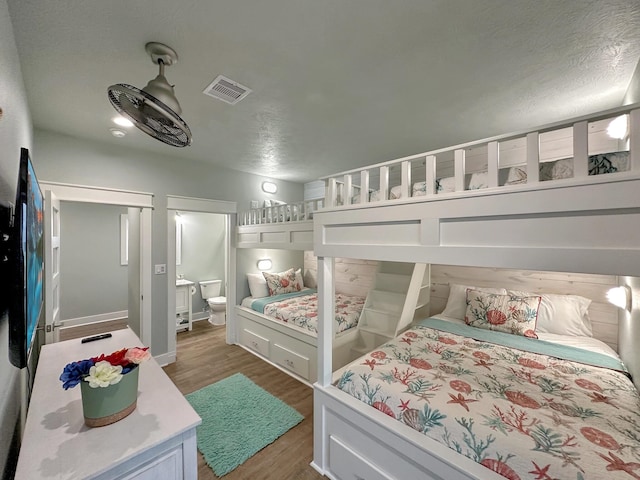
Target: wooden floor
x=203, y=358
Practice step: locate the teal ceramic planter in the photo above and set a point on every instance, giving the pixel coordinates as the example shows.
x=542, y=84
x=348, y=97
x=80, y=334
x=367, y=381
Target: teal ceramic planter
x=103, y=406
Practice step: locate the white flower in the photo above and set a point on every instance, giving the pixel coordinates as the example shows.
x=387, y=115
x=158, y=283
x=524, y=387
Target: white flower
x=103, y=374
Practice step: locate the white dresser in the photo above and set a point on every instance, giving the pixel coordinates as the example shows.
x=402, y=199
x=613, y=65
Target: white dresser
x=157, y=441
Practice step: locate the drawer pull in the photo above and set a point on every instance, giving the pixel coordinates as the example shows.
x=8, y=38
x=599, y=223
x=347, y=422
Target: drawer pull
x=289, y=363
x=255, y=344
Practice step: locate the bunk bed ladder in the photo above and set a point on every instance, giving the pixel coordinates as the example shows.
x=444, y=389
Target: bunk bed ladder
x=400, y=295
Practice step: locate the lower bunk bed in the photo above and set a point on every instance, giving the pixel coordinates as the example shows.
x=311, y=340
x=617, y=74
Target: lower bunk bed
x=457, y=401
x=282, y=329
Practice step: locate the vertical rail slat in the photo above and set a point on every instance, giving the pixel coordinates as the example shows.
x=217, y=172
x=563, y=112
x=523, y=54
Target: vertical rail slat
x=384, y=183
x=405, y=182
x=348, y=189
x=580, y=150
x=493, y=162
x=458, y=169
x=364, y=186
x=533, y=157
x=326, y=315
x=430, y=166
x=634, y=140
x=332, y=191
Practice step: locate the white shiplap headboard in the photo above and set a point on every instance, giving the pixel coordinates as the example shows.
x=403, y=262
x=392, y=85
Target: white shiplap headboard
x=352, y=276
x=604, y=316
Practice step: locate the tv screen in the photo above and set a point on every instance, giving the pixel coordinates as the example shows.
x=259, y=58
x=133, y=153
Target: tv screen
x=27, y=257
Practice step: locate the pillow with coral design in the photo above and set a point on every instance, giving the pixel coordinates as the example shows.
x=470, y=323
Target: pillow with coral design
x=503, y=313
x=283, y=282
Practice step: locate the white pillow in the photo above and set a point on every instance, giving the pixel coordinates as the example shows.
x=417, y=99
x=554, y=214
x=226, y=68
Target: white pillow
x=478, y=181
x=299, y=279
x=457, y=301
x=562, y=314
x=516, y=176
x=257, y=285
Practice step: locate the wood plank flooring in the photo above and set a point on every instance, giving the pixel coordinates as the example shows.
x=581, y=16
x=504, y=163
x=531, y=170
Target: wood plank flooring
x=203, y=358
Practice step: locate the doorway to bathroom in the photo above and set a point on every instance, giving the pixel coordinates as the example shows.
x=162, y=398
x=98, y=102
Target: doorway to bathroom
x=199, y=249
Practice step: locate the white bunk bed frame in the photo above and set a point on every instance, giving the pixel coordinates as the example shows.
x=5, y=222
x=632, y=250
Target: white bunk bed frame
x=586, y=224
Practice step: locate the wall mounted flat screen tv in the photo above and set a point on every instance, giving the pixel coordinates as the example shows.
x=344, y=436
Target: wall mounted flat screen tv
x=26, y=259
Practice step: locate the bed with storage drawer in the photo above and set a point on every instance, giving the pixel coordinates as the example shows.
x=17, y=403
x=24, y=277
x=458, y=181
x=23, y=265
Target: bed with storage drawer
x=465, y=406
x=280, y=323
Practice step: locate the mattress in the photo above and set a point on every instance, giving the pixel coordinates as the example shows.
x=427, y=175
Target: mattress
x=301, y=309
x=521, y=407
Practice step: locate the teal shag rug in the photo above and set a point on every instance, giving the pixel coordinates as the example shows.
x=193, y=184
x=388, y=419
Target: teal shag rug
x=238, y=420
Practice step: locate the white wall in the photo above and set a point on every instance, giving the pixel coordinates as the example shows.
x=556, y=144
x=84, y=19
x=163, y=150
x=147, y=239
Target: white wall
x=92, y=281
x=15, y=132
x=60, y=158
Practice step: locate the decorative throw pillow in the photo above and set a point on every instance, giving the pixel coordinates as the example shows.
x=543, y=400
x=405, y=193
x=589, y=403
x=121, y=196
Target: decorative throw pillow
x=502, y=313
x=457, y=300
x=479, y=180
x=608, y=163
x=283, y=282
x=516, y=176
x=419, y=189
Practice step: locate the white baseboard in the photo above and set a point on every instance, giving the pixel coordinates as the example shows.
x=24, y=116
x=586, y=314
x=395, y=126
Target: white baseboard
x=166, y=358
x=102, y=317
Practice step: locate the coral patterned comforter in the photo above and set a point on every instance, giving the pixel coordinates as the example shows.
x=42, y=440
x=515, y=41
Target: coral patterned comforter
x=302, y=310
x=523, y=415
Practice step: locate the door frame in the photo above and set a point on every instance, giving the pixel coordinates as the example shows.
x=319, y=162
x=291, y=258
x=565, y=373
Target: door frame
x=125, y=198
x=202, y=205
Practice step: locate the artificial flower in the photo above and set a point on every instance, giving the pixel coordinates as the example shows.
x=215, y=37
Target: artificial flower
x=137, y=355
x=103, y=374
x=103, y=370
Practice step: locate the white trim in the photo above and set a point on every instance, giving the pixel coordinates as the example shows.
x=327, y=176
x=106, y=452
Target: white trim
x=145, y=275
x=124, y=239
x=166, y=358
x=205, y=205
x=89, y=194
x=101, y=317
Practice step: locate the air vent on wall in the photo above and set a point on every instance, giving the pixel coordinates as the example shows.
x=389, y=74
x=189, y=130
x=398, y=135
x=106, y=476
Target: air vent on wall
x=227, y=90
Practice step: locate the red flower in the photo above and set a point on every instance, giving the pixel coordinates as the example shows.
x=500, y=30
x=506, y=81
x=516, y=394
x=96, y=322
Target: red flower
x=482, y=355
x=420, y=363
x=284, y=282
x=379, y=355
x=447, y=340
x=501, y=468
x=496, y=317
x=411, y=334
x=115, y=358
x=588, y=385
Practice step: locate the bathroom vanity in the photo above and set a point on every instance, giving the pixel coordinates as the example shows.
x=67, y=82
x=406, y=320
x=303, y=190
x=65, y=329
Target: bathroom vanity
x=184, y=314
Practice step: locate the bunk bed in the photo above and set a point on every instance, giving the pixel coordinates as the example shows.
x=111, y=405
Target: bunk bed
x=584, y=422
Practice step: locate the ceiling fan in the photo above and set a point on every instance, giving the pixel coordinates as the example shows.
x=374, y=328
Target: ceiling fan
x=154, y=109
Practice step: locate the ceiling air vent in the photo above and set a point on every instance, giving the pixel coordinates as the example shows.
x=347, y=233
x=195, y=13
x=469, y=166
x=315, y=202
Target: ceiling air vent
x=227, y=90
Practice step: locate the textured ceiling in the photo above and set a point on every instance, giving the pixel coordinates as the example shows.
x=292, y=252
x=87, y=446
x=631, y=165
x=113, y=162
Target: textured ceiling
x=336, y=84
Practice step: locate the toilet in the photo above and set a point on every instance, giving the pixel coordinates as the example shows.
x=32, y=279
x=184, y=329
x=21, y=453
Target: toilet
x=210, y=291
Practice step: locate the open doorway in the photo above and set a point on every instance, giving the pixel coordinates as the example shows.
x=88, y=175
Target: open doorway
x=199, y=233
x=85, y=300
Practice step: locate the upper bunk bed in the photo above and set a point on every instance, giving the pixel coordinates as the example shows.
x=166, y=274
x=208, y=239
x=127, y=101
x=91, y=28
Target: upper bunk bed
x=278, y=225
x=561, y=197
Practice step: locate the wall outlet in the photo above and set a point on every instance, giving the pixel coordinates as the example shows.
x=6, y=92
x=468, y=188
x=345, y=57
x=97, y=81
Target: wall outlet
x=160, y=269
x=254, y=204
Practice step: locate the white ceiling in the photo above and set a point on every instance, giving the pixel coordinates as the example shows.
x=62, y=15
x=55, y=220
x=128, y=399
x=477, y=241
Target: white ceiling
x=337, y=84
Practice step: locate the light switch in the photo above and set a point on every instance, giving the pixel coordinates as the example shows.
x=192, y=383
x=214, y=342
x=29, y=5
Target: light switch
x=161, y=268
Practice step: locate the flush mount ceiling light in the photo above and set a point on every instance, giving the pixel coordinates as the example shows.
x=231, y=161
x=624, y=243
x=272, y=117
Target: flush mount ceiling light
x=269, y=187
x=154, y=109
x=121, y=121
x=117, y=132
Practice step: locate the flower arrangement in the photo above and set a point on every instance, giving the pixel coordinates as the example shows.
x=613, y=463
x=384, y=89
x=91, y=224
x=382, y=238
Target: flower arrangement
x=103, y=370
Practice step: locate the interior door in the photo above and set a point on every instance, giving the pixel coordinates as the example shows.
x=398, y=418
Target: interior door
x=52, y=266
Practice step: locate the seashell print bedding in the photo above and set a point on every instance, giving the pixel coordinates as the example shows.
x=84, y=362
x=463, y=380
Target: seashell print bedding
x=523, y=415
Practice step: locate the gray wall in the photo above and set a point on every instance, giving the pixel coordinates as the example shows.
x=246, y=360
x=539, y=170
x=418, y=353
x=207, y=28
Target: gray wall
x=92, y=281
x=60, y=158
x=15, y=132
x=203, y=251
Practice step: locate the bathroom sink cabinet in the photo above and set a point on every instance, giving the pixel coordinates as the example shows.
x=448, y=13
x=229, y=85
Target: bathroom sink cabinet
x=184, y=314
